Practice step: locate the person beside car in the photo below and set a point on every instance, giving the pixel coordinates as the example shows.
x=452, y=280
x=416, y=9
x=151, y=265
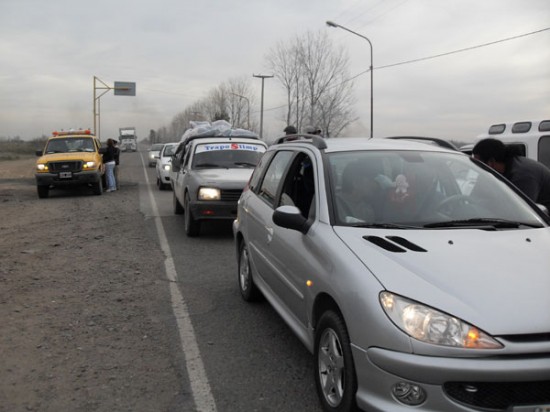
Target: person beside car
x=109, y=161
x=530, y=176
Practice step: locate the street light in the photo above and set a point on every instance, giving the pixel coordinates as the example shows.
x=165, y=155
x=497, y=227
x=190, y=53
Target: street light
x=332, y=24
x=263, y=77
x=248, y=105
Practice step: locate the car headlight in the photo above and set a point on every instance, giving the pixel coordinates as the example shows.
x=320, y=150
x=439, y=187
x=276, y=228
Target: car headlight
x=167, y=168
x=89, y=165
x=209, y=193
x=42, y=167
x=432, y=326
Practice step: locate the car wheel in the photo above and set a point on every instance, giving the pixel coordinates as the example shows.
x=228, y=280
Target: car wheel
x=249, y=290
x=43, y=191
x=334, y=369
x=97, y=187
x=160, y=185
x=192, y=226
x=178, y=209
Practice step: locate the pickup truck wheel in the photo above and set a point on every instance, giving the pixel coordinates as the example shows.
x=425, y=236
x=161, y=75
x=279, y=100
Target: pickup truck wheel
x=43, y=191
x=192, y=226
x=178, y=209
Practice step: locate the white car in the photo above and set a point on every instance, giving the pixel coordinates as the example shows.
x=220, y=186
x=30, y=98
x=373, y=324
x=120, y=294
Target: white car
x=164, y=164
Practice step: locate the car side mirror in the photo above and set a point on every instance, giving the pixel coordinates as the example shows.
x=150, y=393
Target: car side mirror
x=157, y=157
x=290, y=217
x=39, y=153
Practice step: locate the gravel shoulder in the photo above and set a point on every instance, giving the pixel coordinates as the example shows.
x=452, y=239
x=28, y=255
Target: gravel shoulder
x=85, y=307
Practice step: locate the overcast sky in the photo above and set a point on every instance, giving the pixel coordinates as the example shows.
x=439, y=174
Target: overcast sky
x=176, y=51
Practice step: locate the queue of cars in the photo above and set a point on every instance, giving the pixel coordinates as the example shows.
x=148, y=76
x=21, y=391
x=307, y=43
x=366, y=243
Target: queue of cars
x=417, y=276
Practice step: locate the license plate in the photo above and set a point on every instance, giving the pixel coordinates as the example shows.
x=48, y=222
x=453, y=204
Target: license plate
x=533, y=408
x=65, y=175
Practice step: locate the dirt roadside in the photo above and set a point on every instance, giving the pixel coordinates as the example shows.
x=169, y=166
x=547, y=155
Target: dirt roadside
x=85, y=315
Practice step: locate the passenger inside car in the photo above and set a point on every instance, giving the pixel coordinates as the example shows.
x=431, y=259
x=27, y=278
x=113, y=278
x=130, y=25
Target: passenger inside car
x=360, y=193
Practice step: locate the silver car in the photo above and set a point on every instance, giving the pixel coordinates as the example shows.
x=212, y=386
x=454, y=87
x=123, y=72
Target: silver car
x=214, y=172
x=410, y=293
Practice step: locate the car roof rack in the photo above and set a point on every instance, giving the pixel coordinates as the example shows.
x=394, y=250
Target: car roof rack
x=316, y=140
x=189, y=139
x=440, y=142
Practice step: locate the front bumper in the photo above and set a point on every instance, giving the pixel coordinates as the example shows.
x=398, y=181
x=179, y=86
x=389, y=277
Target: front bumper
x=76, y=178
x=202, y=210
x=453, y=384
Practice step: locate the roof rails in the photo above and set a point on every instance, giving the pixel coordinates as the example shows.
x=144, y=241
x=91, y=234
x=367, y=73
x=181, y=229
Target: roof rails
x=440, y=142
x=189, y=139
x=316, y=140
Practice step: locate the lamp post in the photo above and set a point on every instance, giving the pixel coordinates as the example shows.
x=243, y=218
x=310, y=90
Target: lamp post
x=332, y=24
x=263, y=77
x=248, y=106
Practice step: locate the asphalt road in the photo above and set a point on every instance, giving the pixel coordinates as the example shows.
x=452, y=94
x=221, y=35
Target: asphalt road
x=252, y=360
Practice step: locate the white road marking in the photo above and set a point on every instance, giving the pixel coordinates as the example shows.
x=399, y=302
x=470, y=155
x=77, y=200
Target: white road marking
x=202, y=394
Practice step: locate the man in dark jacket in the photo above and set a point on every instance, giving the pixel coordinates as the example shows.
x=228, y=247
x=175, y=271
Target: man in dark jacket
x=530, y=176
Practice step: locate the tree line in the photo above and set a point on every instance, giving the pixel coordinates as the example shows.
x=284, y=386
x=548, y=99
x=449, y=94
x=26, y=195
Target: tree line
x=312, y=72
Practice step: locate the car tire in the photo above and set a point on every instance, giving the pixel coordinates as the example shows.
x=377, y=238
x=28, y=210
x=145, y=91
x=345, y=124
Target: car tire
x=178, y=209
x=247, y=287
x=335, y=377
x=43, y=191
x=192, y=226
x=160, y=185
x=97, y=187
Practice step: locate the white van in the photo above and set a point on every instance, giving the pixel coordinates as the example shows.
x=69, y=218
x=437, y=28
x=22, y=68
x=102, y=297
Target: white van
x=531, y=138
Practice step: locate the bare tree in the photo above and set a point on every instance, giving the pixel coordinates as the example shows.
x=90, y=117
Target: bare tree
x=313, y=73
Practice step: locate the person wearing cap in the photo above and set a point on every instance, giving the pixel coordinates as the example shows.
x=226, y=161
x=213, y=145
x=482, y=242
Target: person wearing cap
x=290, y=130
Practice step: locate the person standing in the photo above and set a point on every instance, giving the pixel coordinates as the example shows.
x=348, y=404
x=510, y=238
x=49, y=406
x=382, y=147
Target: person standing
x=109, y=161
x=117, y=163
x=528, y=175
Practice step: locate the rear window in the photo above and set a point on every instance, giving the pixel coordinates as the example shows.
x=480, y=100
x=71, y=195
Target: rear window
x=521, y=127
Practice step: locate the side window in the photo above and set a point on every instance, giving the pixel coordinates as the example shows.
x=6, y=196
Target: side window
x=259, y=170
x=273, y=177
x=299, y=186
x=186, y=155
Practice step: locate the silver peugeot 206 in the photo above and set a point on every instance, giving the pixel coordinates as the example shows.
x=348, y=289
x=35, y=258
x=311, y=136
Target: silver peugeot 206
x=412, y=289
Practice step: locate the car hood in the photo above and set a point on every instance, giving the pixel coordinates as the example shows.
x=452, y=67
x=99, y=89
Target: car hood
x=498, y=281
x=216, y=176
x=72, y=156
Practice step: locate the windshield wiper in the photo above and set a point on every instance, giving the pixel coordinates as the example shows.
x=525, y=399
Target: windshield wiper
x=476, y=222
x=244, y=164
x=384, y=226
x=207, y=165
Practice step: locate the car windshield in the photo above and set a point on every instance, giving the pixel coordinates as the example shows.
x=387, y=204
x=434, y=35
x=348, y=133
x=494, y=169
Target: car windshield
x=169, y=150
x=227, y=155
x=156, y=147
x=422, y=189
x=68, y=145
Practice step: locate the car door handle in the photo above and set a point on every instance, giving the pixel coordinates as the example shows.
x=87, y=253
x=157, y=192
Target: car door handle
x=269, y=231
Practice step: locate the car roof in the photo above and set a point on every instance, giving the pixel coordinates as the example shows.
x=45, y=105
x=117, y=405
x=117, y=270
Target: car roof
x=344, y=144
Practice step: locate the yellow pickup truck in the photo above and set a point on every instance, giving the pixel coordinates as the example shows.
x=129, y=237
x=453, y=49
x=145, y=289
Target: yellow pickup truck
x=70, y=158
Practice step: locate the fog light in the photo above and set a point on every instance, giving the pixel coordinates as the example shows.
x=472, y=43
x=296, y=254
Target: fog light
x=408, y=393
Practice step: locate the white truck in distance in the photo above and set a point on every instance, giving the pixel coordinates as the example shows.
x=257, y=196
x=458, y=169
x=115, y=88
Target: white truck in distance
x=128, y=139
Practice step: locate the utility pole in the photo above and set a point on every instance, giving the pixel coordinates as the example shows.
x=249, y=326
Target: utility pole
x=263, y=77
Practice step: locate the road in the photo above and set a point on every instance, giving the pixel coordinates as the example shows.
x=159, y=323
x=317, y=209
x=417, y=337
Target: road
x=251, y=359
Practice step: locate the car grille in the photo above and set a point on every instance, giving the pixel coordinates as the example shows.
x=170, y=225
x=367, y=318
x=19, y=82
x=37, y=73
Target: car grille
x=74, y=166
x=499, y=396
x=232, y=195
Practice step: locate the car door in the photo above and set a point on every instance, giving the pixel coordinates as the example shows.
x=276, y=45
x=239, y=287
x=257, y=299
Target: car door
x=286, y=254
